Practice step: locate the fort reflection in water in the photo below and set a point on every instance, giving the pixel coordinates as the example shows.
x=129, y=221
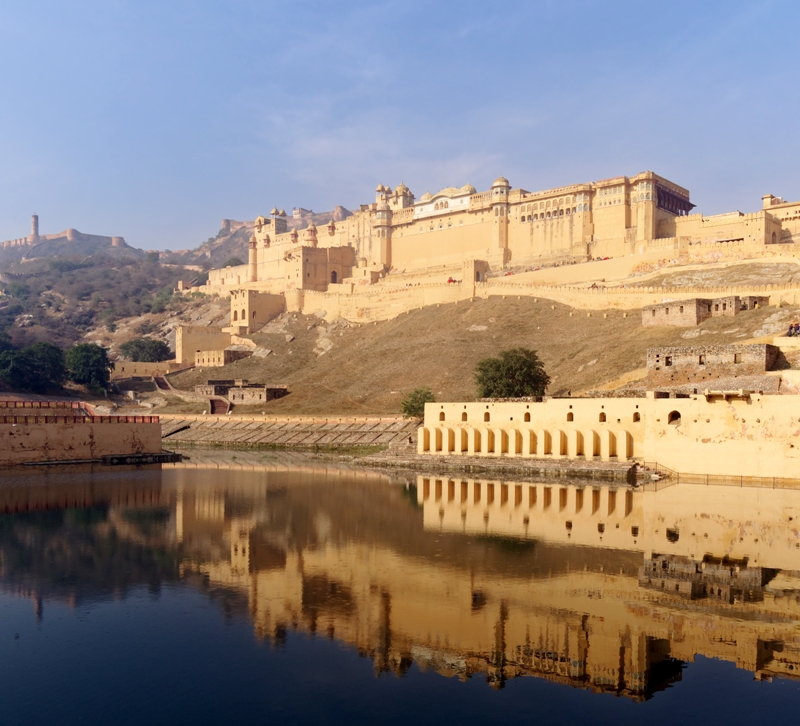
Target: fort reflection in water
x=600, y=587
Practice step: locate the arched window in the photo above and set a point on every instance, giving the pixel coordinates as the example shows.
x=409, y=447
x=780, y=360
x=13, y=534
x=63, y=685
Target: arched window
x=636, y=417
x=254, y=314
x=674, y=418
x=486, y=416
x=235, y=315
x=243, y=316
x=602, y=417
x=527, y=418
x=441, y=415
x=477, y=276
x=570, y=416
x=334, y=277
x=464, y=416
x=774, y=238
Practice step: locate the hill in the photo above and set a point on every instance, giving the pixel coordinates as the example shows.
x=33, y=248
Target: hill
x=348, y=368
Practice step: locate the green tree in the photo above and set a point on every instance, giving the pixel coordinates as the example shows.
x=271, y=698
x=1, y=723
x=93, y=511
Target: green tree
x=36, y=368
x=514, y=373
x=413, y=405
x=233, y=262
x=88, y=365
x=148, y=350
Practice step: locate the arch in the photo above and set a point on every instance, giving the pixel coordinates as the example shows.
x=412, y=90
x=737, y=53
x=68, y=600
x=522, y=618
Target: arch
x=463, y=442
x=334, y=277
x=486, y=416
x=451, y=440
x=636, y=417
x=235, y=315
x=501, y=442
x=243, y=316
x=674, y=418
x=774, y=238
x=463, y=415
x=425, y=439
x=254, y=314
x=570, y=416
x=544, y=444
x=602, y=417
x=476, y=441
x=489, y=442
x=527, y=417
x=477, y=276
x=441, y=415
x=437, y=440
x=518, y=440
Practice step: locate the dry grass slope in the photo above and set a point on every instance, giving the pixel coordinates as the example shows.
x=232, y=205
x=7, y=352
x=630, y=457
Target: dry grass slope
x=369, y=368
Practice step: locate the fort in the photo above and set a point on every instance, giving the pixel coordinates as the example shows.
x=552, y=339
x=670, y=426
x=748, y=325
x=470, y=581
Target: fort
x=460, y=237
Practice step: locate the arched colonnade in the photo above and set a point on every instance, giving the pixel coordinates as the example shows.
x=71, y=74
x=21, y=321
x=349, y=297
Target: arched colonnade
x=604, y=444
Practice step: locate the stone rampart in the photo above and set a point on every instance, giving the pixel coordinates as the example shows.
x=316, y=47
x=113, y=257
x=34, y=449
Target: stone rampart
x=32, y=438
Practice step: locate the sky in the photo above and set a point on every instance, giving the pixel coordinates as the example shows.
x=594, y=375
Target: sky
x=155, y=119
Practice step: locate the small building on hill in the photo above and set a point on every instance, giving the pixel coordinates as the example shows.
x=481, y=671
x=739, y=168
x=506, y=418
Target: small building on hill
x=695, y=364
x=693, y=311
x=241, y=391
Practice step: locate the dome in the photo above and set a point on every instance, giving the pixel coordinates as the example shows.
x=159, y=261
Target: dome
x=401, y=189
x=426, y=197
x=274, y=211
x=388, y=190
x=448, y=192
x=379, y=188
x=501, y=181
x=468, y=189
x=282, y=213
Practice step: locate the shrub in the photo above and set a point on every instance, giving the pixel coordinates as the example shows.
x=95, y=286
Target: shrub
x=514, y=373
x=413, y=405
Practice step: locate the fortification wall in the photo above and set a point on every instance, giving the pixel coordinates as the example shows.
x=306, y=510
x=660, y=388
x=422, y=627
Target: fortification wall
x=26, y=439
x=130, y=369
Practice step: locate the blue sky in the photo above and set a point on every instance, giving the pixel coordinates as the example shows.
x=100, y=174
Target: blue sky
x=154, y=119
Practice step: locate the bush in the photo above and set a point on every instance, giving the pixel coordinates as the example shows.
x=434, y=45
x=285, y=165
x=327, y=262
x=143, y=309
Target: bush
x=514, y=373
x=233, y=262
x=88, y=365
x=148, y=350
x=413, y=405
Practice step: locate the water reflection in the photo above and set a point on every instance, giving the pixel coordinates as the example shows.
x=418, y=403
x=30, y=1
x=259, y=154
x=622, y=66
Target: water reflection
x=599, y=587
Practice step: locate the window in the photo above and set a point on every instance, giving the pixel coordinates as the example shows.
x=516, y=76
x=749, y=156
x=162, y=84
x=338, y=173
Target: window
x=464, y=416
x=441, y=415
x=680, y=309
x=486, y=416
x=737, y=357
x=527, y=417
x=602, y=417
x=636, y=417
x=702, y=360
x=674, y=418
x=570, y=416
x=653, y=313
x=667, y=360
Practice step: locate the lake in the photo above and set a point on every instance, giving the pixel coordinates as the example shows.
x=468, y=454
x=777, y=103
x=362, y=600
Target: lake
x=305, y=592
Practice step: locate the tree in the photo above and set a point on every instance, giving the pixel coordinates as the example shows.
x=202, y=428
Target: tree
x=413, y=405
x=233, y=262
x=88, y=365
x=36, y=368
x=514, y=373
x=148, y=350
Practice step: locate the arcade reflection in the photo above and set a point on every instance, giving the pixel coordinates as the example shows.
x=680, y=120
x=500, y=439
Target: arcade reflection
x=595, y=586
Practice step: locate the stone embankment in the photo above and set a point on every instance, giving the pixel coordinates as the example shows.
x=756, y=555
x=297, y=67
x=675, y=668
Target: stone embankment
x=288, y=431
x=404, y=457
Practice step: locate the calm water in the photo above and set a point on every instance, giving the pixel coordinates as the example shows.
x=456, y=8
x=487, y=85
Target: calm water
x=320, y=595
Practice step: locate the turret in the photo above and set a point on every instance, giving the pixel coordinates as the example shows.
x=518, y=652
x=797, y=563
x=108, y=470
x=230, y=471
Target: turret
x=382, y=227
x=34, y=228
x=500, y=190
x=252, y=260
